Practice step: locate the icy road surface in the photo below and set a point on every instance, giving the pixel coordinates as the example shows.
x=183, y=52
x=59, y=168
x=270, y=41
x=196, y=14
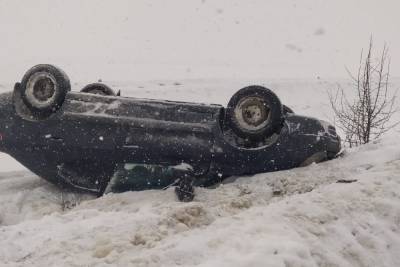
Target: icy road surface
x=299, y=217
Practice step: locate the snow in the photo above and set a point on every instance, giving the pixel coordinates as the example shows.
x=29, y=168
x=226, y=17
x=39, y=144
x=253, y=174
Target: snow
x=299, y=217
x=204, y=51
x=183, y=167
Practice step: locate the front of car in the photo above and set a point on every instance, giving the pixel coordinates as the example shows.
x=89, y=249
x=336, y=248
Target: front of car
x=299, y=142
x=316, y=140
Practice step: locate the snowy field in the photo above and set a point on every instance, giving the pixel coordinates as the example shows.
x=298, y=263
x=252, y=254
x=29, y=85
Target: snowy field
x=314, y=221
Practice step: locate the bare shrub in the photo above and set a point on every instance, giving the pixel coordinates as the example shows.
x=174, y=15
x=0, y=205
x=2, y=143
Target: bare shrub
x=367, y=115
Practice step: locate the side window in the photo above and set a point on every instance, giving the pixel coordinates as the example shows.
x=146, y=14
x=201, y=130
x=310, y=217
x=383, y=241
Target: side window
x=133, y=176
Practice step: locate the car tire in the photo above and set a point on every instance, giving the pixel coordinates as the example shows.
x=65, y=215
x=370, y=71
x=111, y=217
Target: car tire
x=254, y=113
x=44, y=88
x=98, y=89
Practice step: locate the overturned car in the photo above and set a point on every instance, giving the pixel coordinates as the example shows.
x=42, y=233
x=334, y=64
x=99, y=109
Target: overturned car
x=97, y=141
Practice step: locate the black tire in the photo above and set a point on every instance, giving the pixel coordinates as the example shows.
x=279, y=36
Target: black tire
x=98, y=89
x=254, y=113
x=43, y=89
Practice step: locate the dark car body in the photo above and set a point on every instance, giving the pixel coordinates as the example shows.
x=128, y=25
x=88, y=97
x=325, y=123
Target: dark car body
x=90, y=137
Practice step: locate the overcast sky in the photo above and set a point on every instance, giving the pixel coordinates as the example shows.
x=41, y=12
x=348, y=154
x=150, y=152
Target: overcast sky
x=139, y=40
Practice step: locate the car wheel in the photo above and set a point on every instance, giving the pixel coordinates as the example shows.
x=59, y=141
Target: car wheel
x=98, y=89
x=43, y=89
x=255, y=113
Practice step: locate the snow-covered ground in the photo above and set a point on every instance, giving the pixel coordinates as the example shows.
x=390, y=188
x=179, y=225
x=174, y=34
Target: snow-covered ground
x=203, y=51
x=312, y=221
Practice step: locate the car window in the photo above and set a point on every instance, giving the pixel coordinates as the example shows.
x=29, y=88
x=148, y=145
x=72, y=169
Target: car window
x=133, y=176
